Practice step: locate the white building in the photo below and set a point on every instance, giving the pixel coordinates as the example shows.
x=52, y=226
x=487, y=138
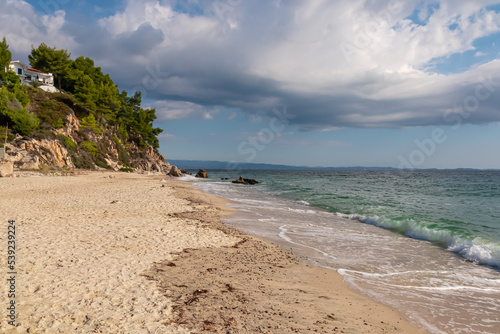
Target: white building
x=29, y=74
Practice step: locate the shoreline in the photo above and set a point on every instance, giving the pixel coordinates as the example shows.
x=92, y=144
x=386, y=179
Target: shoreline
x=304, y=297
x=124, y=253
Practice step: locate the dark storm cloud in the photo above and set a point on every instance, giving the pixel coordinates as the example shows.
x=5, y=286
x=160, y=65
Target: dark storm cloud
x=140, y=41
x=257, y=56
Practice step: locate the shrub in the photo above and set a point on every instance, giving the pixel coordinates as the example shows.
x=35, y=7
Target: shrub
x=126, y=169
x=83, y=161
x=35, y=84
x=122, y=132
x=90, y=147
x=41, y=134
x=13, y=111
x=52, y=112
x=22, y=96
x=89, y=122
x=123, y=155
x=10, y=136
x=68, y=142
x=102, y=164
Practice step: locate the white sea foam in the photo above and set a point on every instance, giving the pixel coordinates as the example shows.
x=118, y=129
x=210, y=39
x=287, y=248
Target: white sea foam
x=478, y=250
x=301, y=210
x=283, y=235
x=447, y=282
x=187, y=177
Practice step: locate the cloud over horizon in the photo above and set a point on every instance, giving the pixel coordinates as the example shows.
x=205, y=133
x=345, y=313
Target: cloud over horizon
x=334, y=64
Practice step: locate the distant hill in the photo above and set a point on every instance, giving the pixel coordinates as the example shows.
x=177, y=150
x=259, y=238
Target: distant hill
x=201, y=164
x=224, y=165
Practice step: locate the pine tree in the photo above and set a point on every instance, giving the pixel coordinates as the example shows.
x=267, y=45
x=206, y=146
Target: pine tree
x=5, y=56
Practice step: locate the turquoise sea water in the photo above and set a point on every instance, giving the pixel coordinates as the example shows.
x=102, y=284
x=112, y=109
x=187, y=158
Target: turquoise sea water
x=427, y=242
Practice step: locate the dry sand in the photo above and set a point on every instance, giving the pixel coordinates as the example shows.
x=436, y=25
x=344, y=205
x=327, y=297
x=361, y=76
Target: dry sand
x=129, y=253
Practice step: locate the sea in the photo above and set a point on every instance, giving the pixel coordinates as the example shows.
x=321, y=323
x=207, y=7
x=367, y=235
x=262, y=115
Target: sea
x=425, y=243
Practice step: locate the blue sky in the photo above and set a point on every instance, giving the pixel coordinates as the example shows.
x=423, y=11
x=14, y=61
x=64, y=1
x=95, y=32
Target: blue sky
x=318, y=83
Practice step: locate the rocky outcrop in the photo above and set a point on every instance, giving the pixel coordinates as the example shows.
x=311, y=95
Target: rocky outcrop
x=241, y=180
x=174, y=171
x=74, y=146
x=6, y=168
x=71, y=126
x=30, y=153
x=50, y=152
x=147, y=159
x=202, y=174
x=28, y=162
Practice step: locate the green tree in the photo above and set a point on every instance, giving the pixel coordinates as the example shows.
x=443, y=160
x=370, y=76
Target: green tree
x=85, y=91
x=79, y=67
x=144, y=127
x=90, y=147
x=5, y=59
x=5, y=56
x=49, y=59
x=129, y=106
x=108, y=99
x=11, y=81
x=102, y=96
x=14, y=112
x=89, y=122
x=137, y=121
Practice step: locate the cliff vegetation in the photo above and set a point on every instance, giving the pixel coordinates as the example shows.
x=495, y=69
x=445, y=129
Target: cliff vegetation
x=89, y=124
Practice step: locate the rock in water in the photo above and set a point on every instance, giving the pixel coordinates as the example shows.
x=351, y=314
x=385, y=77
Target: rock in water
x=174, y=171
x=241, y=180
x=185, y=172
x=250, y=181
x=202, y=173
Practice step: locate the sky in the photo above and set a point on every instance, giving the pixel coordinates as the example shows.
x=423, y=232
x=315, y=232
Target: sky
x=407, y=84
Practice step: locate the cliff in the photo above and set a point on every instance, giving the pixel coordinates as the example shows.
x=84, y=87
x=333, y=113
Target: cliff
x=87, y=123
x=64, y=142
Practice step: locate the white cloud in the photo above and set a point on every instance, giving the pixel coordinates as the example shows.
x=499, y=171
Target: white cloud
x=381, y=41
x=23, y=27
x=136, y=14
x=167, y=136
x=261, y=55
x=174, y=110
x=180, y=29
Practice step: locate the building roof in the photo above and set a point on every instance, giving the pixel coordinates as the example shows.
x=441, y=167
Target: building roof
x=35, y=70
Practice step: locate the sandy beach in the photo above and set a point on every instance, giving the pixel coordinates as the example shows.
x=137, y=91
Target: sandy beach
x=130, y=253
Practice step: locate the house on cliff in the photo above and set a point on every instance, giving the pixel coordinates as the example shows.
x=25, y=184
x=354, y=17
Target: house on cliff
x=29, y=75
